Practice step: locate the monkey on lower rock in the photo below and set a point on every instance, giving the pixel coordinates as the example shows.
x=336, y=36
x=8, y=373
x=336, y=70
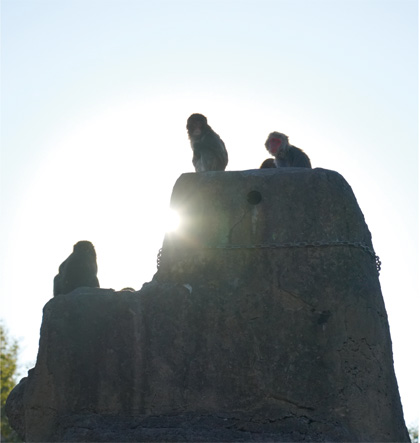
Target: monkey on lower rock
x=79, y=269
x=209, y=151
x=285, y=154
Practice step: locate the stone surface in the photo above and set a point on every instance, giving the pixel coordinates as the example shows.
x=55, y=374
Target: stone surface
x=289, y=343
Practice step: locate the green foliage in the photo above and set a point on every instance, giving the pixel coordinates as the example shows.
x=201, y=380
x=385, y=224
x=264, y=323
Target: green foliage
x=414, y=434
x=8, y=367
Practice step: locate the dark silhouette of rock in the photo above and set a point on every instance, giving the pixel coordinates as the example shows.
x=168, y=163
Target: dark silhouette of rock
x=261, y=324
x=78, y=270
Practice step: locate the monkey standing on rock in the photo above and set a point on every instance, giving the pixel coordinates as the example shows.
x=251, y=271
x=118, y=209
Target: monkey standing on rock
x=286, y=155
x=209, y=150
x=79, y=269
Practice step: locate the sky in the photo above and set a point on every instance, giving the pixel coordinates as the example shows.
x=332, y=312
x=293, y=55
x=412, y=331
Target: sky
x=95, y=95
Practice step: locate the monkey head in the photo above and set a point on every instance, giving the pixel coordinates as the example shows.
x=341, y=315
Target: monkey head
x=276, y=142
x=196, y=124
x=268, y=163
x=84, y=247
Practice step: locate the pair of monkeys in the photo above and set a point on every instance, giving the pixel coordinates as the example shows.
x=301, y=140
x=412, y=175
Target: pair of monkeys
x=210, y=154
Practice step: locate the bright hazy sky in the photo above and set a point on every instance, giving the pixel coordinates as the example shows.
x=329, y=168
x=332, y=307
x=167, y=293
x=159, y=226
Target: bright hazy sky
x=95, y=95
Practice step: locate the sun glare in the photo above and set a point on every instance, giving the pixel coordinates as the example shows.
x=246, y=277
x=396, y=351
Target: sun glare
x=172, y=222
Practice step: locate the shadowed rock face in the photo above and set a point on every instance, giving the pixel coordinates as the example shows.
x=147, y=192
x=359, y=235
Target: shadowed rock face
x=232, y=340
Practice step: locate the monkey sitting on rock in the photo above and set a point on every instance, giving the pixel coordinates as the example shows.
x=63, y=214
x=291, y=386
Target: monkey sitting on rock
x=209, y=151
x=268, y=163
x=79, y=269
x=285, y=154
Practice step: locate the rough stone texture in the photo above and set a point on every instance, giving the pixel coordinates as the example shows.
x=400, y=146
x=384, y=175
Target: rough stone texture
x=248, y=344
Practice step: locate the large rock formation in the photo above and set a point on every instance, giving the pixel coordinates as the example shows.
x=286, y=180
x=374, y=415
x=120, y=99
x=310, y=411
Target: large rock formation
x=264, y=322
